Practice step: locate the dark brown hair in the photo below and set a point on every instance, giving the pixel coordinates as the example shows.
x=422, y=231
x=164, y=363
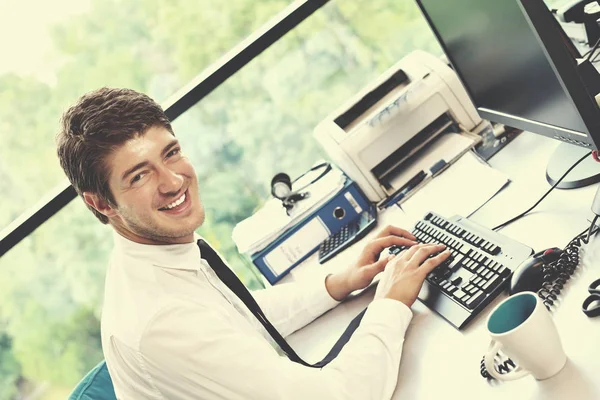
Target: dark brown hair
x=99, y=123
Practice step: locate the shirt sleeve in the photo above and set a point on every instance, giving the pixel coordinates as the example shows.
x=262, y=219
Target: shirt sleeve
x=290, y=306
x=191, y=352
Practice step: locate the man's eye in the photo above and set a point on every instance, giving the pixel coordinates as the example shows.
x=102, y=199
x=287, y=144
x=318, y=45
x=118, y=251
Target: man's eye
x=173, y=152
x=137, y=177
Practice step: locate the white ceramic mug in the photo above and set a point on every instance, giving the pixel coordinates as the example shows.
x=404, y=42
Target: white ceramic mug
x=523, y=329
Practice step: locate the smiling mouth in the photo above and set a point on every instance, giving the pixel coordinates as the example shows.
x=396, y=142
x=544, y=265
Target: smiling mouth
x=175, y=205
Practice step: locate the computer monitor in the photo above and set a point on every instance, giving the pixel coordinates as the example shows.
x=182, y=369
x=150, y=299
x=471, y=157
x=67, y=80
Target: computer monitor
x=520, y=70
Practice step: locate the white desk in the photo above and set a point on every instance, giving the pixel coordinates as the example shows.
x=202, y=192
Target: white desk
x=439, y=360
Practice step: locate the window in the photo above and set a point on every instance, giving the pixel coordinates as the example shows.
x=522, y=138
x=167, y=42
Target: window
x=257, y=123
x=58, y=50
x=260, y=121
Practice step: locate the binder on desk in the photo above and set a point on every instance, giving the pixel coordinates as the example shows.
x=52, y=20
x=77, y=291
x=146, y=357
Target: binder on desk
x=301, y=240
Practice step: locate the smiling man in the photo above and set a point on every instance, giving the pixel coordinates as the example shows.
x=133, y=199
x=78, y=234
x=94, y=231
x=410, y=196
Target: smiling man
x=171, y=326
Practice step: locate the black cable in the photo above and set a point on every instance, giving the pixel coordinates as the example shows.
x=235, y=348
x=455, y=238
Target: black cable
x=557, y=273
x=595, y=59
x=591, y=227
x=593, y=50
x=510, y=221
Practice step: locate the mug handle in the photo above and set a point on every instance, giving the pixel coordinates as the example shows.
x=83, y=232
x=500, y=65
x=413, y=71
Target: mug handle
x=489, y=365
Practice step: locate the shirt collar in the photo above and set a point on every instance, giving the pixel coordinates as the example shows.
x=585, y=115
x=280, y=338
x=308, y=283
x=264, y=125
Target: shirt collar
x=176, y=256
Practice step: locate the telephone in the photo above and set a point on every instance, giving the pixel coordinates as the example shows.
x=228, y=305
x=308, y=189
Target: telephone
x=584, y=12
x=352, y=232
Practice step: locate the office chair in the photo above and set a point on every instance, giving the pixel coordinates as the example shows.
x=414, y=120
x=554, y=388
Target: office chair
x=96, y=385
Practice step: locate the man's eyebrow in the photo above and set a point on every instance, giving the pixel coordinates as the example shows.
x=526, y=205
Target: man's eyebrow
x=142, y=164
x=134, y=168
x=169, y=146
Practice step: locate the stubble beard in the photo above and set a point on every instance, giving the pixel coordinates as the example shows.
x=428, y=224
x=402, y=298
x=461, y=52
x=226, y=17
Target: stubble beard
x=149, y=229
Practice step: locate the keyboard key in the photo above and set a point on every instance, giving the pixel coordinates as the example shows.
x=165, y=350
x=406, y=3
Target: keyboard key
x=469, y=288
x=438, y=274
x=492, y=284
x=465, y=298
x=469, y=265
x=457, y=281
x=460, y=294
x=456, y=263
x=503, y=271
x=475, y=300
x=461, y=247
x=451, y=289
x=488, y=274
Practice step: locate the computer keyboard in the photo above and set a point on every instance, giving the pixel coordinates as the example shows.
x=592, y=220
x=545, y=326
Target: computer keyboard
x=479, y=268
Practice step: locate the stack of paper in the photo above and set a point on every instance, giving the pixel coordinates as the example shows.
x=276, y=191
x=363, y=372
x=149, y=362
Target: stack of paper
x=448, y=147
x=268, y=223
x=462, y=189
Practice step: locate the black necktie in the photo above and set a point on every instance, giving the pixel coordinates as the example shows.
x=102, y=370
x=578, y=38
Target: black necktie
x=227, y=276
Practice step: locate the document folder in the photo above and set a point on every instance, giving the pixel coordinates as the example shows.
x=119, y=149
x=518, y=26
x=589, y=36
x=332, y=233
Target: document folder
x=301, y=240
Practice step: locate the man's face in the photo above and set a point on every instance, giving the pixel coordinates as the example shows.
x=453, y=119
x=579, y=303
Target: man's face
x=155, y=189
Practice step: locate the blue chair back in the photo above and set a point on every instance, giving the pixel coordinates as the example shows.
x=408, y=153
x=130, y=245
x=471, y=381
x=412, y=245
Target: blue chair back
x=96, y=385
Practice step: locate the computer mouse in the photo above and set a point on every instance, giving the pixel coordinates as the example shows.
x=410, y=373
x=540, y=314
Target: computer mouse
x=529, y=275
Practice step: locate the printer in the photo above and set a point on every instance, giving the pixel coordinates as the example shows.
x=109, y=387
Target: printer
x=374, y=133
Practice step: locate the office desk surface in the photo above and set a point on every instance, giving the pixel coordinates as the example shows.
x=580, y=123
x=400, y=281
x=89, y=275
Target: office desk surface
x=439, y=360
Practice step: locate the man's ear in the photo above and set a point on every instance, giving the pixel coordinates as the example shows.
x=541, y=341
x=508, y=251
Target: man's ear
x=101, y=205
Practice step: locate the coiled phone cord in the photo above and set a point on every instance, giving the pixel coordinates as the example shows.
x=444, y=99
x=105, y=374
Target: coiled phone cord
x=556, y=275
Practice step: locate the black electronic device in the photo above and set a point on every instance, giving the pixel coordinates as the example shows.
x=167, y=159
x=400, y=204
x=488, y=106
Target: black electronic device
x=478, y=270
x=281, y=186
x=529, y=275
x=349, y=234
x=582, y=12
x=520, y=69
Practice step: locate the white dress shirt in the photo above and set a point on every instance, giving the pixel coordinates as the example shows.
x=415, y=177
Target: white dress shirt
x=172, y=330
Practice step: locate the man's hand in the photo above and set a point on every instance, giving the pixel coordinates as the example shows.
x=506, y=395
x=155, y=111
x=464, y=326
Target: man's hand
x=405, y=273
x=361, y=274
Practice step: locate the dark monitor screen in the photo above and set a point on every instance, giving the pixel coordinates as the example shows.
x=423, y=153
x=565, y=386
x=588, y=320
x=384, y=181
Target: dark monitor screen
x=505, y=68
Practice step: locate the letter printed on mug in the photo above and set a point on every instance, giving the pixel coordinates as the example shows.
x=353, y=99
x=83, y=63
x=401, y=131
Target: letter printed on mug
x=523, y=329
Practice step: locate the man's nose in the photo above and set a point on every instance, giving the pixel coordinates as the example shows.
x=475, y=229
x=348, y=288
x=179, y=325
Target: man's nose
x=170, y=181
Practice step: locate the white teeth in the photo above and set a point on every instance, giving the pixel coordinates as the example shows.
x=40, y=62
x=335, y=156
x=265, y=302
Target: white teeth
x=176, y=202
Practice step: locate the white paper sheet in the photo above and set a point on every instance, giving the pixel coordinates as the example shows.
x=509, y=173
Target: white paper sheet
x=447, y=147
x=460, y=190
x=296, y=246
